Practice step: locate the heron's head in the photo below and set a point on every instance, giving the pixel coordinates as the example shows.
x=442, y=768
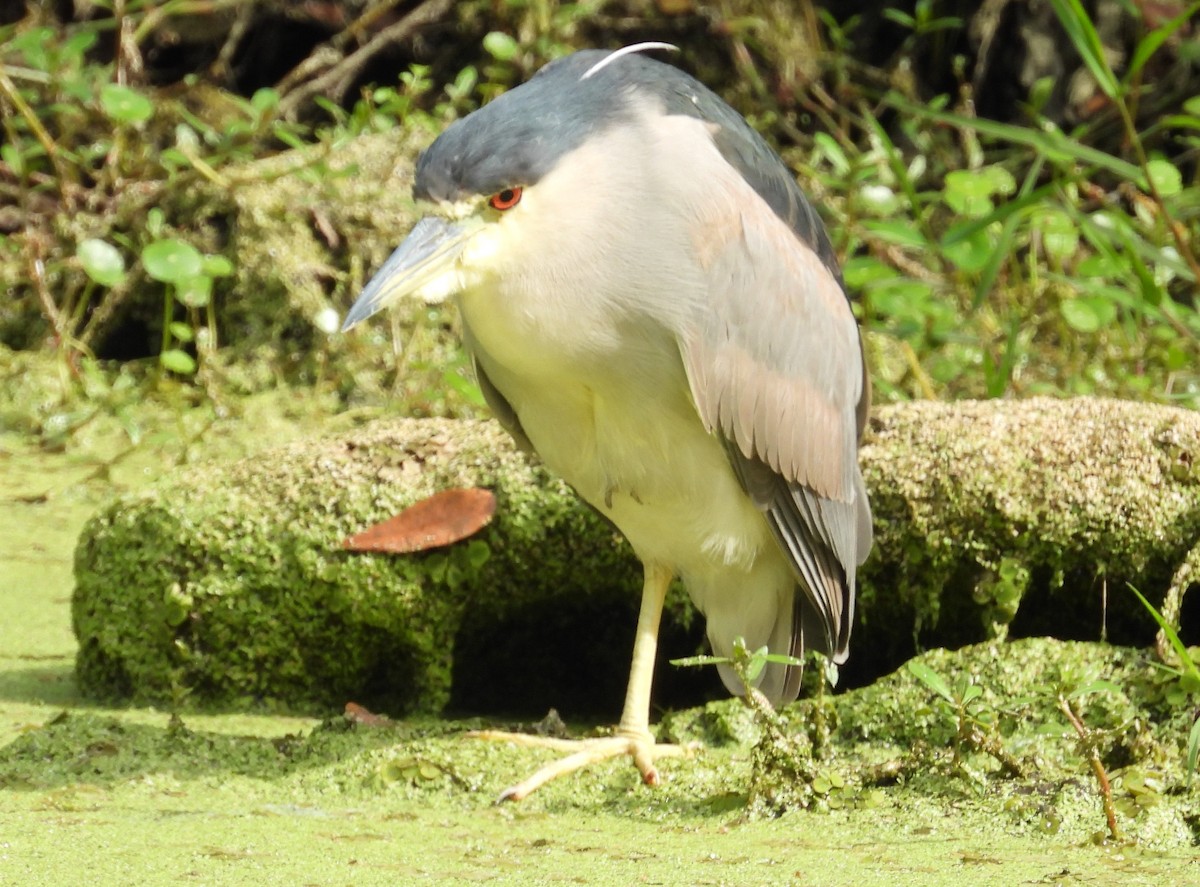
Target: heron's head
x=504, y=180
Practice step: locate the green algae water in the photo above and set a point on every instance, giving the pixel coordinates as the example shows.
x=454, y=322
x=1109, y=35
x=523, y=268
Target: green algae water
x=106, y=795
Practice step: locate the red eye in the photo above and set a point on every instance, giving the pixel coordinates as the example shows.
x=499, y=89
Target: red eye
x=506, y=199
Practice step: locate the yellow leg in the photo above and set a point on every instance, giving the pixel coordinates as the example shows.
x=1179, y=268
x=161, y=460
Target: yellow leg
x=633, y=735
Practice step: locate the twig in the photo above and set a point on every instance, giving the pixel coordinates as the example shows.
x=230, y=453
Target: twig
x=337, y=79
x=37, y=276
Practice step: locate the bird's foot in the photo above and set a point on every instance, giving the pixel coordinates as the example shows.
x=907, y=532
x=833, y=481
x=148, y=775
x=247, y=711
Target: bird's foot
x=584, y=752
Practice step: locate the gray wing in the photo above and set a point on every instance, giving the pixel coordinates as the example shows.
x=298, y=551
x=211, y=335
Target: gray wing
x=775, y=367
x=758, y=165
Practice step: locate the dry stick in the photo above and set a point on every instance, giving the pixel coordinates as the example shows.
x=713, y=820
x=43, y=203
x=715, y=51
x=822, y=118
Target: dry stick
x=37, y=275
x=1086, y=743
x=365, y=23
x=336, y=80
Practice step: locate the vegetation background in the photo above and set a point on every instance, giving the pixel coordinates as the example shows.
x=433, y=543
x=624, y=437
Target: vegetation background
x=192, y=192
x=1012, y=185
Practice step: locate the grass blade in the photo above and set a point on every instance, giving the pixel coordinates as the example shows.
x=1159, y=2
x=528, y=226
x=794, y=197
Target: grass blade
x=1051, y=144
x=1189, y=667
x=1087, y=43
x=1153, y=41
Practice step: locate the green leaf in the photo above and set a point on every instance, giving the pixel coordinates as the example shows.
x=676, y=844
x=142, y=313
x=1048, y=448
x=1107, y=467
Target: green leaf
x=969, y=191
x=899, y=17
x=1101, y=265
x=171, y=260
x=782, y=659
x=969, y=254
x=1060, y=236
x=181, y=331
x=1166, y=177
x=1097, y=686
x=478, y=553
x=1054, y=728
x=195, y=292
x=216, y=266
x=899, y=232
x=689, y=661
x=833, y=153
x=125, y=105
x=14, y=158
x=982, y=182
x=930, y=679
x=861, y=271
x=467, y=388
x=999, y=179
x=1004, y=213
x=177, y=606
x=31, y=46
x=78, y=43
x=156, y=221
x=101, y=261
x=900, y=297
x=1088, y=314
x=177, y=361
x=500, y=46
x=264, y=99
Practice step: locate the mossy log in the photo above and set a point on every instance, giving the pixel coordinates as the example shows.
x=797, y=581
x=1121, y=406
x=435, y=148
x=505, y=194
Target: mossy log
x=229, y=584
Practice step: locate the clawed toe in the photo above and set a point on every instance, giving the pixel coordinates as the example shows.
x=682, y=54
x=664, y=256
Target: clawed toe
x=584, y=752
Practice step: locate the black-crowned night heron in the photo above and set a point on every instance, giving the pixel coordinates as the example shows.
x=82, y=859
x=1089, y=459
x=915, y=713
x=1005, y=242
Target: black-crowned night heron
x=656, y=310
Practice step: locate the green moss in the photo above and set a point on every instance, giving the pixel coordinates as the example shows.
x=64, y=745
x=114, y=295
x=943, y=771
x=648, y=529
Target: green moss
x=885, y=770
x=1027, y=516
x=893, y=743
x=229, y=583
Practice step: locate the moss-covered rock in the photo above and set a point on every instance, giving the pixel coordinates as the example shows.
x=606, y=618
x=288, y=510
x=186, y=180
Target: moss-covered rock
x=230, y=583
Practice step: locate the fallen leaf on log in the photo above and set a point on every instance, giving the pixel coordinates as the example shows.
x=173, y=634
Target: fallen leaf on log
x=442, y=519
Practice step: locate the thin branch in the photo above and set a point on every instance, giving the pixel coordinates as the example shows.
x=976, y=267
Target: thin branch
x=337, y=79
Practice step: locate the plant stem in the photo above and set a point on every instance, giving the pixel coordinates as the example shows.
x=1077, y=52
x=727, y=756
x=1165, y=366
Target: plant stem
x=1088, y=746
x=64, y=173
x=1178, y=233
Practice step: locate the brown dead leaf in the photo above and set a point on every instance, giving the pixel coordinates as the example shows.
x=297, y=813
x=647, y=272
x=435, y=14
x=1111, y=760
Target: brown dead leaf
x=442, y=519
x=360, y=715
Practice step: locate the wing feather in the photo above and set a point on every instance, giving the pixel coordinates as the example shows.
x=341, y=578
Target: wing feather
x=774, y=362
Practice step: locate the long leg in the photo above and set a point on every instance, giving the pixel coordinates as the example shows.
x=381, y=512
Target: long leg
x=633, y=735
